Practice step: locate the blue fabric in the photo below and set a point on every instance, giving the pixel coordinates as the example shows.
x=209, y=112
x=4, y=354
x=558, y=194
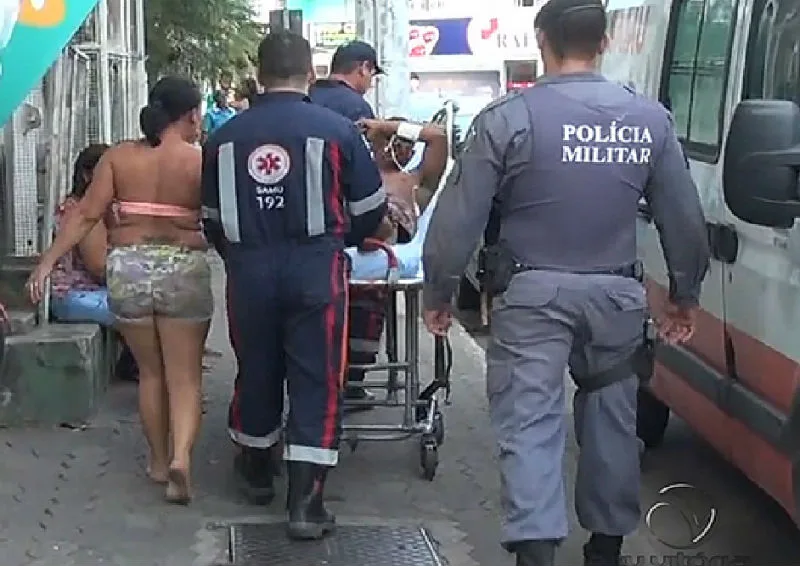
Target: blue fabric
x=82, y=306
x=371, y=266
x=216, y=117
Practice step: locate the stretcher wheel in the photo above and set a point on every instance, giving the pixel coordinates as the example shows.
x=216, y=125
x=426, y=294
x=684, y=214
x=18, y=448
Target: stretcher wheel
x=438, y=428
x=429, y=458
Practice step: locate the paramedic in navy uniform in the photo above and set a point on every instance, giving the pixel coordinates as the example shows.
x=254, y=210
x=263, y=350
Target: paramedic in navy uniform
x=283, y=192
x=568, y=160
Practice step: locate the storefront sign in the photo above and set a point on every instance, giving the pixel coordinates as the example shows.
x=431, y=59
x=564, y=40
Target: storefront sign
x=32, y=35
x=506, y=37
x=333, y=34
x=509, y=36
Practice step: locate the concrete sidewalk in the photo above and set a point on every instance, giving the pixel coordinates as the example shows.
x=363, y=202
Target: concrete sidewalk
x=80, y=496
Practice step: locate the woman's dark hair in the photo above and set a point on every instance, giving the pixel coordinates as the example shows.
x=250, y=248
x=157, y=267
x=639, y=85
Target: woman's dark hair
x=169, y=101
x=84, y=165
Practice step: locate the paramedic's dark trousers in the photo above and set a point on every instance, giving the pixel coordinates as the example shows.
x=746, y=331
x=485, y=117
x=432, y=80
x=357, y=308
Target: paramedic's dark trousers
x=287, y=312
x=367, y=316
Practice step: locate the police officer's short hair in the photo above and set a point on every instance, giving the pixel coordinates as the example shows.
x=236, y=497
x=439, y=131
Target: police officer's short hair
x=573, y=27
x=283, y=55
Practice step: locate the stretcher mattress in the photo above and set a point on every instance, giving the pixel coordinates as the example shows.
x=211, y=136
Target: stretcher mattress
x=372, y=266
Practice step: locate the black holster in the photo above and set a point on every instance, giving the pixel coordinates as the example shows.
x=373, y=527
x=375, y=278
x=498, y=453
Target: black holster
x=496, y=267
x=644, y=358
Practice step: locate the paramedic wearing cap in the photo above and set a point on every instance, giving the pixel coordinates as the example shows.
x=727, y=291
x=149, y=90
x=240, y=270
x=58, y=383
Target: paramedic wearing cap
x=353, y=67
x=281, y=191
x=568, y=160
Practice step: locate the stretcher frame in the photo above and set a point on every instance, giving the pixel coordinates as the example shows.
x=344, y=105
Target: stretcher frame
x=422, y=407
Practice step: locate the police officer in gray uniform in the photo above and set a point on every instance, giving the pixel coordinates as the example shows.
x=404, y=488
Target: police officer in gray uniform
x=566, y=163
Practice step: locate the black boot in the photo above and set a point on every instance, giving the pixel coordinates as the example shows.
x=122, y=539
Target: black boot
x=256, y=468
x=536, y=552
x=308, y=518
x=602, y=550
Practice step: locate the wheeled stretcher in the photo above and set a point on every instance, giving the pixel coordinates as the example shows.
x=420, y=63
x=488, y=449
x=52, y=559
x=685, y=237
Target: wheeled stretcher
x=397, y=271
x=421, y=404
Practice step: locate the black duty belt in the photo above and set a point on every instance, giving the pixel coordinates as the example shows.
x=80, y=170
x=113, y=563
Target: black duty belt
x=633, y=270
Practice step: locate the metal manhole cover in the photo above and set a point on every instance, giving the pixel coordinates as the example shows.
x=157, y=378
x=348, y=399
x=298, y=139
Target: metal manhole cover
x=351, y=545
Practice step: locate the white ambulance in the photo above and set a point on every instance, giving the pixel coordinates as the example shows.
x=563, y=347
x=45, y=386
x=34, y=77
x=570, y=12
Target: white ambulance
x=730, y=72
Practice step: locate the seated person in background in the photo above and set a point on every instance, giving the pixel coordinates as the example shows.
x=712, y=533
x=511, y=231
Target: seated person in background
x=77, y=282
x=392, y=144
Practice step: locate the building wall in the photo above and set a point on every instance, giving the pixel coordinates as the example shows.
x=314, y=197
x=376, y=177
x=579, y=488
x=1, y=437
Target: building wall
x=92, y=94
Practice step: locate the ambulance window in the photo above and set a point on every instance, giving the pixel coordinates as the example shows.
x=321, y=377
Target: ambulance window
x=772, y=69
x=696, y=72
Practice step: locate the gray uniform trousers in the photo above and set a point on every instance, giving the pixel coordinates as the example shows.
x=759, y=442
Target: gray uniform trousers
x=543, y=322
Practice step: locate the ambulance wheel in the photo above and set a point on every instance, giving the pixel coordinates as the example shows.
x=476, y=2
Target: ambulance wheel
x=429, y=458
x=652, y=417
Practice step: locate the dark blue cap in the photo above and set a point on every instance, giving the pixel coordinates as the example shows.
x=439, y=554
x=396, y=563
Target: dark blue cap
x=355, y=52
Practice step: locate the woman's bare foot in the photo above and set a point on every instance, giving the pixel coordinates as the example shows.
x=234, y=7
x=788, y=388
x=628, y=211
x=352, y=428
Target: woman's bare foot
x=157, y=473
x=178, y=486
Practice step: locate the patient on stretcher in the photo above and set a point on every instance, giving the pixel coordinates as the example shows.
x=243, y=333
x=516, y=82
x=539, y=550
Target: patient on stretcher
x=401, y=224
x=402, y=228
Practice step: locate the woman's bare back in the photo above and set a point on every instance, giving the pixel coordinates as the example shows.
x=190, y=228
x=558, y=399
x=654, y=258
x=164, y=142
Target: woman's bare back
x=168, y=174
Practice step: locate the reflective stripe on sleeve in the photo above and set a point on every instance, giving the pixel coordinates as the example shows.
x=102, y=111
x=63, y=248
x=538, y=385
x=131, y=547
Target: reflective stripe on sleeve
x=373, y=201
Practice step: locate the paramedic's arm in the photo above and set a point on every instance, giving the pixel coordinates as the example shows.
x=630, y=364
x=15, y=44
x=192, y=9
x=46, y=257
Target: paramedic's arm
x=364, y=192
x=209, y=187
x=678, y=216
x=462, y=210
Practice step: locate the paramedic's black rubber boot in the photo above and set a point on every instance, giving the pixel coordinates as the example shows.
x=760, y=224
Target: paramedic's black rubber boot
x=256, y=468
x=536, y=552
x=602, y=550
x=308, y=517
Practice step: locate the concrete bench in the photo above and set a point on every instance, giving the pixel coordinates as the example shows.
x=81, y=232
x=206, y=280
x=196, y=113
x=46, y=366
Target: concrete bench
x=54, y=374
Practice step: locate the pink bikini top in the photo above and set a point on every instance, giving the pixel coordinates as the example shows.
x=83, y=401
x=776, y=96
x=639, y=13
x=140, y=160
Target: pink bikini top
x=153, y=209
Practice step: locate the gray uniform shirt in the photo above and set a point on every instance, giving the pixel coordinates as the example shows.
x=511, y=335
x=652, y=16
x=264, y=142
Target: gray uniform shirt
x=566, y=163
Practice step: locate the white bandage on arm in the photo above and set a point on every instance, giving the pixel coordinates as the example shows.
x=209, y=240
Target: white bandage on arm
x=409, y=131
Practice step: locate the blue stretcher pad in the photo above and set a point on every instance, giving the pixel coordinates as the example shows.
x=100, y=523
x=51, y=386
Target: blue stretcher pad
x=373, y=266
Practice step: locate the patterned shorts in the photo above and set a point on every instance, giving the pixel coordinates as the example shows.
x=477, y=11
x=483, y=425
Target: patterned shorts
x=404, y=217
x=148, y=280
